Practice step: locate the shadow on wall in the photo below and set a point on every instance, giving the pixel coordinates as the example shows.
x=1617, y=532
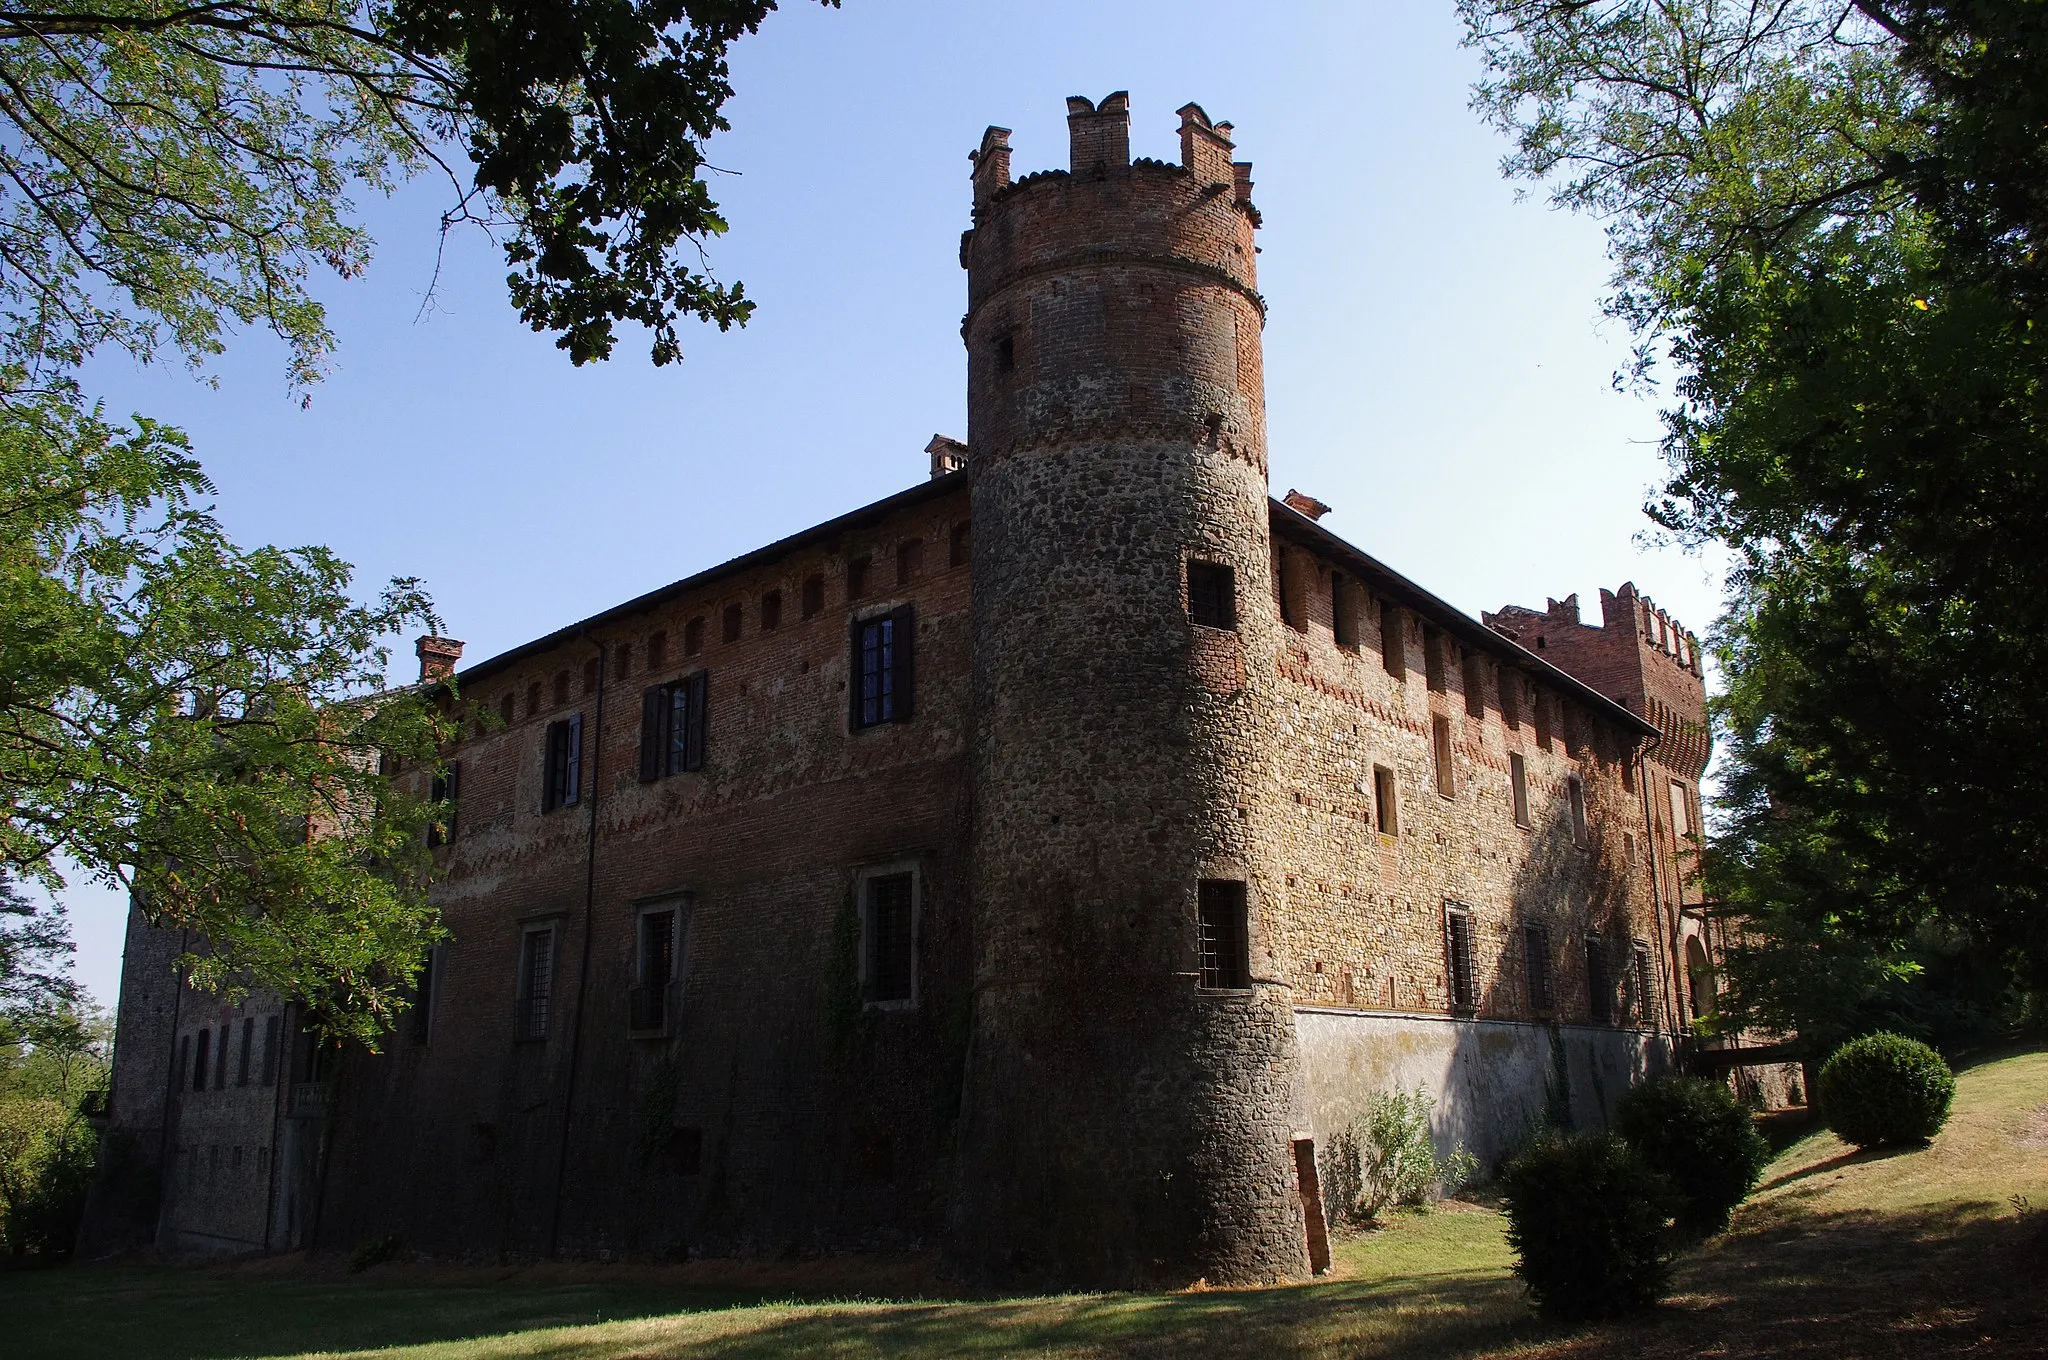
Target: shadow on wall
x=1498, y=1082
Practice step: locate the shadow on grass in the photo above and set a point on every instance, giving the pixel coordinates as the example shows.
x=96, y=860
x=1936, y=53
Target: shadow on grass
x=197, y=1315
x=1950, y=1281
x=1836, y=1163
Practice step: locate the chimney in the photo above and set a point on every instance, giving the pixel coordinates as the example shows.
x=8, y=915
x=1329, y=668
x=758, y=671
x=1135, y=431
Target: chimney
x=1100, y=135
x=438, y=656
x=1205, y=148
x=1304, y=505
x=991, y=164
x=948, y=454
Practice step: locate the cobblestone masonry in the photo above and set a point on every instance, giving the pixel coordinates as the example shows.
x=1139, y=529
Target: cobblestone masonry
x=1060, y=1100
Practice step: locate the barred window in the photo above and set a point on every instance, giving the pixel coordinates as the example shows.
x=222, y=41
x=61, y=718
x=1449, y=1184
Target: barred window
x=1599, y=986
x=1536, y=969
x=1644, y=985
x=889, y=938
x=1212, y=595
x=658, y=946
x=1223, y=941
x=1460, y=968
x=536, y=982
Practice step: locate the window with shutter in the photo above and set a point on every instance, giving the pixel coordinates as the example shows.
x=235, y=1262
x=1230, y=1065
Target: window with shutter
x=562, y=781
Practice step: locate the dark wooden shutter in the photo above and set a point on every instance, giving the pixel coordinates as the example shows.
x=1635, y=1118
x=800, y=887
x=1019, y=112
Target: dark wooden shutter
x=905, y=630
x=572, y=764
x=693, y=732
x=653, y=711
x=853, y=675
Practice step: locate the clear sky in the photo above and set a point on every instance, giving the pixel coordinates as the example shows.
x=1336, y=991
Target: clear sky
x=1437, y=366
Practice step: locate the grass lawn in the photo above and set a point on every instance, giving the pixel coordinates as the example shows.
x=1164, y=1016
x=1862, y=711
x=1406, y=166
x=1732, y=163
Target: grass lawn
x=1919, y=1253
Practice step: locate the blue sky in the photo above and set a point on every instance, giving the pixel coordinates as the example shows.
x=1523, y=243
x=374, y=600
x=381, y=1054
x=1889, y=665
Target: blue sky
x=1436, y=363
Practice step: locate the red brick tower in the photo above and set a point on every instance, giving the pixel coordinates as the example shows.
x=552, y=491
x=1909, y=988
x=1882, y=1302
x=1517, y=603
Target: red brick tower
x=1642, y=659
x=1131, y=1075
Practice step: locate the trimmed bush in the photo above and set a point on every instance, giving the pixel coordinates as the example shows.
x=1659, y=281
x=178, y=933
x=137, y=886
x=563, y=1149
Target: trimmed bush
x=1698, y=1136
x=1885, y=1089
x=1589, y=1223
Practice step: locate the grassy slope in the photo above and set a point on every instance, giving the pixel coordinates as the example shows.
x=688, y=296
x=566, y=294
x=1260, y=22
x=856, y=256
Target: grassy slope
x=1839, y=1254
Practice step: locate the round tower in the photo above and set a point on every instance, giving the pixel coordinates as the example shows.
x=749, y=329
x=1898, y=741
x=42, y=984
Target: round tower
x=1131, y=1071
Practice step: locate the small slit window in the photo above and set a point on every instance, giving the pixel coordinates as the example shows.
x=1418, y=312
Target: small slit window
x=730, y=623
x=909, y=561
x=814, y=595
x=1345, y=604
x=961, y=545
x=1223, y=940
x=1446, y=771
x=771, y=610
x=693, y=637
x=1475, y=685
x=1433, y=666
x=857, y=578
x=1575, y=794
x=1393, y=649
x=1518, y=787
x=1386, y=812
x=1292, y=581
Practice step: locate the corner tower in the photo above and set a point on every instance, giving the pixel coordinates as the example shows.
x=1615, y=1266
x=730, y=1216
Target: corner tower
x=1132, y=1066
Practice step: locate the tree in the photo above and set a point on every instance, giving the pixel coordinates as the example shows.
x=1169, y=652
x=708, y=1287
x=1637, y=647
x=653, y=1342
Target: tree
x=1825, y=217
x=204, y=724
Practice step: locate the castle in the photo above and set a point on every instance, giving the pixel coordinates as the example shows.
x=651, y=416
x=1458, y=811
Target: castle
x=1040, y=864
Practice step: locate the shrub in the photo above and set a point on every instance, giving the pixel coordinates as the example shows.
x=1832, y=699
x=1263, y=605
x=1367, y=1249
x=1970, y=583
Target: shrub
x=1589, y=1223
x=1885, y=1088
x=1694, y=1133
x=1387, y=1157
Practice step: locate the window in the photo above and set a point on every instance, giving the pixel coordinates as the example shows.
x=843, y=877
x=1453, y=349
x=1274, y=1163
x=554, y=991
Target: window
x=909, y=560
x=536, y=982
x=771, y=610
x=1345, y=602
x=561, y=688
x=1212, y=594
x=1293, y=585
x=1433, y=665
x=248, y=1044
x=961, y=546
x=1393, y=651
x=1511, y=699
x=562, y=777
x=590, y=676
x=425, y=994
x=693, y=637
x=1575, y=793
x=672, y=727
x=1223, y=940
x=1385, y=814
x=658, y=946
x=1628, y=849
x=1446, y=773
x=622, y=659
x=447, y=786
x=888, y=938
x=1006, y=352
x=1518, y=785
x=1642, y=984
x=1464, y=980
x=1536, y=969
x=1681, y=821
x=1599, y=987
x=1539, y=707
x=1475, y=685
x=729, y=624
x=881, y=668
x=184, y=1057
x=271, y=1034
x=657, y=650
x=505, y=707
x=533, y=699
x=856, y=578
x=814, y=594
x=220, y=1059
